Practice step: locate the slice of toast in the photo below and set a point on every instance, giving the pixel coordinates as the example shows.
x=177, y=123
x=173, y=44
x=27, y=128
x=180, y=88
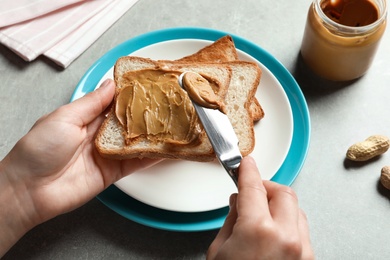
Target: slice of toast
x=239, y=78
x=223, y=50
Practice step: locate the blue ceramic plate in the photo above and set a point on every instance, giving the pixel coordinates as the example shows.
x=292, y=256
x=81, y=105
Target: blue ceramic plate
x=290, y=167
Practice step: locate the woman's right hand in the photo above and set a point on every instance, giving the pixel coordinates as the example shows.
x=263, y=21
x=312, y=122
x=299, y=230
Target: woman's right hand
x=264, y=222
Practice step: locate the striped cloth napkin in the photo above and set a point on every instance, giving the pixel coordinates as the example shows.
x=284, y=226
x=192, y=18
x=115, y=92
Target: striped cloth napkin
x=58, y=29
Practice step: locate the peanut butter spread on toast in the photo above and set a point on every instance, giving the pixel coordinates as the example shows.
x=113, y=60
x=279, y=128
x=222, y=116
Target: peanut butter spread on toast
x=152, y=105
x=201, y=92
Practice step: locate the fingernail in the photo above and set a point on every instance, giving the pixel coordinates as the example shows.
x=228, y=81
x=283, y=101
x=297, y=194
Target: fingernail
x=105, y=83
x=232, y=200
x=251, y=160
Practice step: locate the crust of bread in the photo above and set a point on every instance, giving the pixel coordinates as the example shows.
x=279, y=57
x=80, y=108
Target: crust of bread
x=222, y=50
x=256, y=110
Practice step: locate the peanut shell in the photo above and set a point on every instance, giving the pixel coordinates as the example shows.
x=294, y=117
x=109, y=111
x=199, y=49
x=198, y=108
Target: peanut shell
x=373, y=146
x=385, y=177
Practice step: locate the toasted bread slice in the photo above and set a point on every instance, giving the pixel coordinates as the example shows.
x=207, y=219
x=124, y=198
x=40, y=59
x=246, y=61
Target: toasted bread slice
x=240, y=79
x=223, y=50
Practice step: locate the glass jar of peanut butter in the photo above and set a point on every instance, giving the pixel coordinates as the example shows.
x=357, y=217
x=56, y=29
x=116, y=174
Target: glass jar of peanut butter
x=341, y=37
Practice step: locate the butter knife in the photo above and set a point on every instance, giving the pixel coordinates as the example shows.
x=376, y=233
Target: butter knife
x=222, y=137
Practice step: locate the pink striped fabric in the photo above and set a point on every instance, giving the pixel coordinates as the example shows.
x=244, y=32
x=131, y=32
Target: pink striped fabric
x=16, y=11
x=62, y=34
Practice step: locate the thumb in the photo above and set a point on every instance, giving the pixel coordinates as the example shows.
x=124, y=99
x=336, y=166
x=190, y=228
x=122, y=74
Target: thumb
x=226, y=230
x=87, y=108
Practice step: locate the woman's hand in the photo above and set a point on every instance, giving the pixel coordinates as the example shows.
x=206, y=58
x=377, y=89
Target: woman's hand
x=55, y=167
x=264, y=222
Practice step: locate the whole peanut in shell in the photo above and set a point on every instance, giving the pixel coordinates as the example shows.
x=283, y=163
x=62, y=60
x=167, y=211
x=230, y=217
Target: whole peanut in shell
x=371, y=147
x=385, y=177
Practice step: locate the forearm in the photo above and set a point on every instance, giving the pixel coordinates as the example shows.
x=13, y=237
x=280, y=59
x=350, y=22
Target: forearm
x=15, y=219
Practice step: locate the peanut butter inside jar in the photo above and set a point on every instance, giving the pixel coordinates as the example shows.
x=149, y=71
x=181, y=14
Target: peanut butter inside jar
x=341, y=37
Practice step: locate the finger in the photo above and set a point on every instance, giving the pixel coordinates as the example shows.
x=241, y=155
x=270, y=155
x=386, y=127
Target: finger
x=85, y=109
x=283, y=205
x=230, y=220
x=125, y=168
x=133, y=165
x=307, y=250
x=226, y=230
x=252, y=195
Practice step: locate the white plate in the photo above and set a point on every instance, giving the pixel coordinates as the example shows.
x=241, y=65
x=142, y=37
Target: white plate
x=185, y=186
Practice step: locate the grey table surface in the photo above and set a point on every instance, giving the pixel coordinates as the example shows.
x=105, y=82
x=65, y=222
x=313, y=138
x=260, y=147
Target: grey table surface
x=347, y=208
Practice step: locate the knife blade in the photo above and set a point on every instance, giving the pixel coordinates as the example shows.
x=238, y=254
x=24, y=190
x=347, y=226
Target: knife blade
x=221, y=134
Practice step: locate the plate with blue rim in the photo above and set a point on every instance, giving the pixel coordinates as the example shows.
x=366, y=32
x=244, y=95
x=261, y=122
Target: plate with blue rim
x=169, y=214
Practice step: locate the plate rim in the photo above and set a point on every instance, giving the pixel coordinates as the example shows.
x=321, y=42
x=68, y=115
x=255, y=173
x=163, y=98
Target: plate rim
x=294, y=160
